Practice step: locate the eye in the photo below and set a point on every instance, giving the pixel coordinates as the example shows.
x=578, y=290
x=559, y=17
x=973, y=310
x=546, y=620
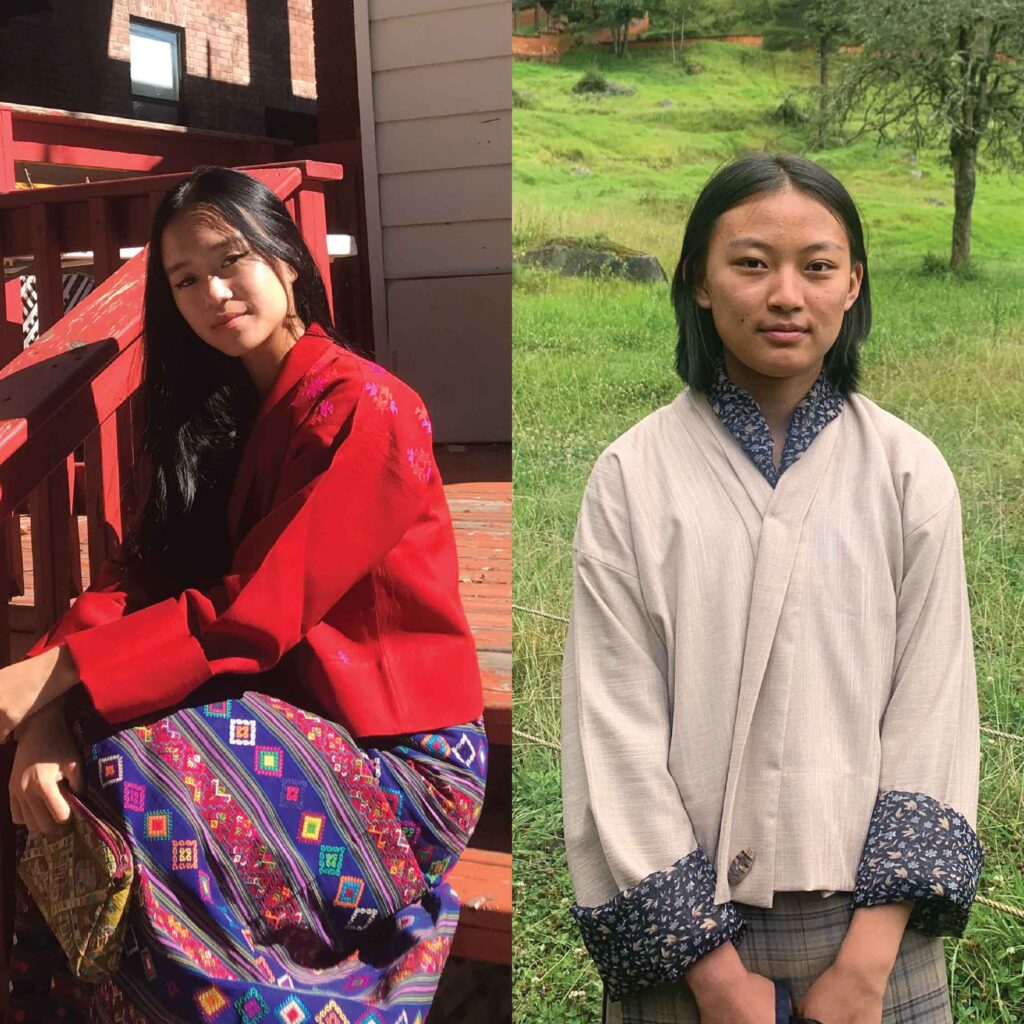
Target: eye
x=185, y=282
x=233, y=258
x=750, y=263
x=820, y=267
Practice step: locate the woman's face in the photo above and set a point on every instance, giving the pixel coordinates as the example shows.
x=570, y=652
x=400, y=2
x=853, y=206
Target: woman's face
x=231, y=297
x=777, y=280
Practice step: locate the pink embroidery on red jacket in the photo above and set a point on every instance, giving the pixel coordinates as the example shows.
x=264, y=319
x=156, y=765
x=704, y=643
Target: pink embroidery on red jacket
x=322, y=411
x=420, y=464
x=424, y=418
x=383, y=399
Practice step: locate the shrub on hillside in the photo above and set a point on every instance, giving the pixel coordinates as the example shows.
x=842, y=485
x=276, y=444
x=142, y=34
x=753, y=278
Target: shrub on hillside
x=523, y=99
x=934, y=265
x=592, y=81
x=789, y=113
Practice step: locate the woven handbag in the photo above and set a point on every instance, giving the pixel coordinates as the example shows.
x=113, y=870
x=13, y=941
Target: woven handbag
x=81, y=879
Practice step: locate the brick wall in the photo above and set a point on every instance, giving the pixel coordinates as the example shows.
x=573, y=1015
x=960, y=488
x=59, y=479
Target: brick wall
x=241, y=56
x=545, y=47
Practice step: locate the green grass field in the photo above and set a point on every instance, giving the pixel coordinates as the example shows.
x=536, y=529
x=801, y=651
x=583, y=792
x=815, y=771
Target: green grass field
x=591, y=357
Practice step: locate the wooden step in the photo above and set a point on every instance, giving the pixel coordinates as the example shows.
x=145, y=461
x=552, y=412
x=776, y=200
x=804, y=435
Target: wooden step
x=483, y=881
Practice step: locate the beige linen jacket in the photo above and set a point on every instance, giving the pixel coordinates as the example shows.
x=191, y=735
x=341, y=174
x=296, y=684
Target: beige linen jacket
x=747, y=668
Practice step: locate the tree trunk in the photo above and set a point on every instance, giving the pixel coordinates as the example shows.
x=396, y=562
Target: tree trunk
x=536, y=17
x=672, y=41
x=964, y=165
x=823, y=86
x=515, y=18
x=625, y=37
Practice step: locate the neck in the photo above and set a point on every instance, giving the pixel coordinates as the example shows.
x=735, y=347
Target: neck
x=264, y=363
x=776, y=397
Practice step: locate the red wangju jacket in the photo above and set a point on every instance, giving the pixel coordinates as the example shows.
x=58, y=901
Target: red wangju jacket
x=343, y=586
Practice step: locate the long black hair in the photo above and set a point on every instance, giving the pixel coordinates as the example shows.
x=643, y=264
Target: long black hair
x=197, y=404
x=699, y=350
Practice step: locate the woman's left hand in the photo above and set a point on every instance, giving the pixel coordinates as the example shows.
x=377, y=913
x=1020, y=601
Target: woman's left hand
x=28, y=686
x=845, y=996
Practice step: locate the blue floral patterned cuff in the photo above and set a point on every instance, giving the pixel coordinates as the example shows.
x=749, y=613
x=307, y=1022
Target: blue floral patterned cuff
x=920, y=849
x=655, y=930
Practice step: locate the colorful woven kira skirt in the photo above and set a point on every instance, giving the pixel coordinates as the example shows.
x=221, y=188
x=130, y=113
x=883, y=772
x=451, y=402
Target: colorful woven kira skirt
x=283, y=872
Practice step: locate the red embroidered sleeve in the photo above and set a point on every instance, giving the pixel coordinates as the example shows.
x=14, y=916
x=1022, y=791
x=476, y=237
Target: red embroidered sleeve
x=354, y=482
x=113, y=593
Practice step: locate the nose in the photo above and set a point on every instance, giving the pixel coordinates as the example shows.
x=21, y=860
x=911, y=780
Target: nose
x=217, y=291
x=784, y=289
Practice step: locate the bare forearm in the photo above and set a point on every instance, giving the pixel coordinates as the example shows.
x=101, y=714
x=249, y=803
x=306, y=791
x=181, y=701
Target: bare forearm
x=58, y=668
x=718, y=969
x=27, y=687
x=873, y=939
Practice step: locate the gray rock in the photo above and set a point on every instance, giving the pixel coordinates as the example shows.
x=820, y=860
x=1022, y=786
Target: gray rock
x=665, y=103
x=580, y=170
x=571, y=261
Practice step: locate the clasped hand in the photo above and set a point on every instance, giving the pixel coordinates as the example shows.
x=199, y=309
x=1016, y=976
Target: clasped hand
x=727, y=993
x=842, y=995
x=47, y=758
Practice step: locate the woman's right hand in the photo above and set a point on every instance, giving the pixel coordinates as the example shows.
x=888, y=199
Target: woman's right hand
x=727, y=993
x=46, y=756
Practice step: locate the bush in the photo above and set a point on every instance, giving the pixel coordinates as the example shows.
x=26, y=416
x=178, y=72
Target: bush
x=934, y=265
x=789, y=113
x=522, y=99
x=592, y=81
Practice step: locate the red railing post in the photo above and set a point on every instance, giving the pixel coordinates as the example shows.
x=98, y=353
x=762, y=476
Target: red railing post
x=102, y=469
x=10, y=300
x=105, y=250
x=312, y=221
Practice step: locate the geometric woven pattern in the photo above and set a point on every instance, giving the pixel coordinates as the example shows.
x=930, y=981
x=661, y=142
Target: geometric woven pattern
x=269, y=832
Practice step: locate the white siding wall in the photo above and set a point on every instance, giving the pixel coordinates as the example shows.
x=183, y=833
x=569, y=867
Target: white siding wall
x=442, y=112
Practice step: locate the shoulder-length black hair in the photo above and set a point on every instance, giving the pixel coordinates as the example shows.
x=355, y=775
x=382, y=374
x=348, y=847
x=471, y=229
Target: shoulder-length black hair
x=197, y=404
x=699, y=350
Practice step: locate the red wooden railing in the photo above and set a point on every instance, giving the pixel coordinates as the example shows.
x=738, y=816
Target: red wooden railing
x=40, y=136
x=57, y=145
x=74, y=389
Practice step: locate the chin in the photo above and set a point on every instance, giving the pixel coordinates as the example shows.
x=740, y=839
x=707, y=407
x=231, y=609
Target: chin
x=782, y=365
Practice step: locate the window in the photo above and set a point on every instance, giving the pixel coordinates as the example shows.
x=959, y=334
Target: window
x=156, y=69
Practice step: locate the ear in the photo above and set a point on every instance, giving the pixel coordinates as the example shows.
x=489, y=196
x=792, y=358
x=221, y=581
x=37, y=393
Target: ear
x=856, y=277
x=700, y=292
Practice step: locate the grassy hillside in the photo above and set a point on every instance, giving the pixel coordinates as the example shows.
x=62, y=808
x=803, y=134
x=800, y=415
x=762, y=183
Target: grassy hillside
x=631, y=167
x=593, y=357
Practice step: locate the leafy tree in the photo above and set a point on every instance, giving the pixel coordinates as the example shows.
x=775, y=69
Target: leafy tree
x=536, y=5
x=594, y=15
x=949, y=74
x=677, y=15
x=799, y=23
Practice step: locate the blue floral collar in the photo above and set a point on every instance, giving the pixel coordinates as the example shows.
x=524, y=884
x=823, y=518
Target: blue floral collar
x=743, y=419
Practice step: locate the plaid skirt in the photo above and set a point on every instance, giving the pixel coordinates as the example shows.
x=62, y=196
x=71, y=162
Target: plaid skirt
x=795, y=941
x=283, y=872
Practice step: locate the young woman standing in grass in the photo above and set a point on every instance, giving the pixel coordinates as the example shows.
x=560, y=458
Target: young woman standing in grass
x=771, y=748
x=278, y=680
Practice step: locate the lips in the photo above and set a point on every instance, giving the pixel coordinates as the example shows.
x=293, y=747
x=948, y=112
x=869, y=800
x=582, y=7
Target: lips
x=783, y=331
x=227, y=320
